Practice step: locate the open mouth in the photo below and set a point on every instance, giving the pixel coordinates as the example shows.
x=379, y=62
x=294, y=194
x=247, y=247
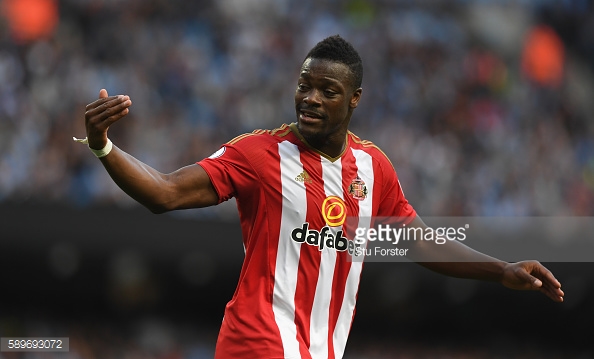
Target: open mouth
x=309, y=116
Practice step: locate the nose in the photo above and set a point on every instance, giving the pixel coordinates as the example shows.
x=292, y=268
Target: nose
x=312, y=97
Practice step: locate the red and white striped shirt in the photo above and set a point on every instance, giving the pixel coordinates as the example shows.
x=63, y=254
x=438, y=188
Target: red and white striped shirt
x=297, y=288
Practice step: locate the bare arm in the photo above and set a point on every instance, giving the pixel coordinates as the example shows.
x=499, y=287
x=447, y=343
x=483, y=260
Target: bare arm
x=188, y=187
x=458, y=260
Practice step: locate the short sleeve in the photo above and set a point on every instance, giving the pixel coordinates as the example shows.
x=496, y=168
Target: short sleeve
x=393, y=202
x=229, y=171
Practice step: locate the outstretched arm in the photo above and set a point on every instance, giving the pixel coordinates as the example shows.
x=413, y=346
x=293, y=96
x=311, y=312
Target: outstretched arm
x=458, y=260
x=188, y=187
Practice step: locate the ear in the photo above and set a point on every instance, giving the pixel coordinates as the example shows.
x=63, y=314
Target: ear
x=355, y=98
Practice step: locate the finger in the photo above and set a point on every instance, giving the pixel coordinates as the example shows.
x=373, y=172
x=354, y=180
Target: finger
x=553, y=292
x=111, y=119
x=102, y=93
x=115, y=113
x=549, y=277
x=545, y=275
x=108, y=106
x=101, y=101
x=529, y=279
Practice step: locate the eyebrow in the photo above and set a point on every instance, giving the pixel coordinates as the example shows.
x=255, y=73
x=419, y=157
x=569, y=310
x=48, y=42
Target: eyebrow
x=306, y=76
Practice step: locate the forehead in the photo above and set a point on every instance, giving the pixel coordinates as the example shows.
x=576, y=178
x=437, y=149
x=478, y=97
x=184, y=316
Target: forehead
x=325, y=69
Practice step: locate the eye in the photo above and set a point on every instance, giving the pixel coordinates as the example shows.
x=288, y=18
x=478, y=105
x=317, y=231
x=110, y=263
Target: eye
x=302, y=87
x=330, y=93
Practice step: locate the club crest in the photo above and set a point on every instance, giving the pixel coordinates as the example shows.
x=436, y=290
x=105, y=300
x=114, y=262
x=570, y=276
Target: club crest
x=358, y=189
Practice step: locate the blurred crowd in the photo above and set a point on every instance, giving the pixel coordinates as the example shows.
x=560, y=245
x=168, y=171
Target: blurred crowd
x=483, y=107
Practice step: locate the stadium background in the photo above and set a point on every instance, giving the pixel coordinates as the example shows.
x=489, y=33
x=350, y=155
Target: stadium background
x=485, y=108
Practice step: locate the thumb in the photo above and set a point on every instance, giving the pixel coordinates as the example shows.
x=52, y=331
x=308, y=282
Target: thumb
x=527, y=277
x=536, y=282
x=103, y=93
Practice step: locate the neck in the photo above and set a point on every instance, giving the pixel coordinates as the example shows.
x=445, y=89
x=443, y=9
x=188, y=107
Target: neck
x=331, y=146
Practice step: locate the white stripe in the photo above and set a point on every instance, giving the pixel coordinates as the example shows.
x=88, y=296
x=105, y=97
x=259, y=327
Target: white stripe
x=365, y=171
x=320, y=313
x=287, y=257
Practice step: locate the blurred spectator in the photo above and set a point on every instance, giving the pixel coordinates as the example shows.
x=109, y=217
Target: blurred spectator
x=467, y=131
x=543, y=57
x=30, y=20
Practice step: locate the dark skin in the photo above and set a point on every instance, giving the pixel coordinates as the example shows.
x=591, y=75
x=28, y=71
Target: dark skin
x=324, y=101
x=188, y=187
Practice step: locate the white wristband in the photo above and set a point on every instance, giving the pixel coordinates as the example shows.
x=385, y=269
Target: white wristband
x=99, y=153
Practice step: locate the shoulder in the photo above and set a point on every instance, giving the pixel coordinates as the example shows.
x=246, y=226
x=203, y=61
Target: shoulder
x=261, y=136
x=369, y=147
x=258, y=142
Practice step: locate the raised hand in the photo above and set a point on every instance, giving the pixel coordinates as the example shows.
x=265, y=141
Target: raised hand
x=101, y=114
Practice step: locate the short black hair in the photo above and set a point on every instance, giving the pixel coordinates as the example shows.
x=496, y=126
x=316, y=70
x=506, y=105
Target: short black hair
x=335, y=48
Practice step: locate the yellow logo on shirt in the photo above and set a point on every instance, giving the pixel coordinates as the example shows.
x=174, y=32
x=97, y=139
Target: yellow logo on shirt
x=334, y=211
x=304, y=177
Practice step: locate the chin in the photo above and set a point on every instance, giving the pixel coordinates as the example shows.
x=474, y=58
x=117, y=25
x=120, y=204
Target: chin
x=306, y=128
x=311, y=134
